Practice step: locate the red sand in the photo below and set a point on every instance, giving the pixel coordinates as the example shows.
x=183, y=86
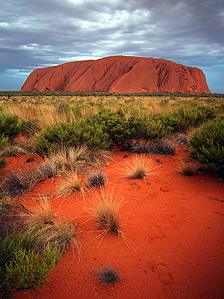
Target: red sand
x=118, y=74
x=174, y=222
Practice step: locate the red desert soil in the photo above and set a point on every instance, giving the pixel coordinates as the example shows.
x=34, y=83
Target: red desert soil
x=118, y=74
x=175, y=223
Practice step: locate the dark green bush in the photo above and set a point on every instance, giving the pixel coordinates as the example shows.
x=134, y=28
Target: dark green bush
x=10, y=125
x=72, y=134
x=156, y=129
x=108, y=128
x=207, y=146
x=186, y=117
x=169, y=121
x=123, y=131
x=115, y=125
x=193, y=117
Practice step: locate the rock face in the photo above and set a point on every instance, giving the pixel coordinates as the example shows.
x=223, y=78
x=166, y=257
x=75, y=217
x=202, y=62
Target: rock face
x=118, y=74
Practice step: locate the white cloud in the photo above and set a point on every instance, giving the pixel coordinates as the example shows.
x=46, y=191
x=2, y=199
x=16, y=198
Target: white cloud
x=118, y=19
x=4, y=24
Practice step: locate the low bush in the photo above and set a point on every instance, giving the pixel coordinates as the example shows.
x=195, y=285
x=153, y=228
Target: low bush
x=188, y=168
x=123, y=131
x=72, y=134
x=22, y=268
x=186, y=117
x=31, y=246
x=108, y=128
x=10, y=125
x=115, y=125
x=207, y=146
x=13, y=217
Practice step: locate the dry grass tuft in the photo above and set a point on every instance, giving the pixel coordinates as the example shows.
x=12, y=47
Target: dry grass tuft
x=12, y=150
x=72, y=159
x=59, y=235
x=71, y=184
x=188, y=168
x=16, y=184
x=43, y=214
x=138, y=168
x=65, y=236
x=50, y=231
x=47, y=169
x=105, y=209
x=100, y=157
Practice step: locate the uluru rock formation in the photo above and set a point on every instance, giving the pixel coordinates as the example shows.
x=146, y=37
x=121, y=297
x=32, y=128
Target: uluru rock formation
x=118, y=74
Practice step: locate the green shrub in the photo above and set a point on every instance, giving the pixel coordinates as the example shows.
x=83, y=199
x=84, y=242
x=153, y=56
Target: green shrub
x=193, y=117
x=115, y=125
x=169, y=121
x=24, y=269
x=10, y=125
x=122, y=131
x=186, y=117
x=24, y=262
x=207, y=145
x=73, y=134
x=156, y=130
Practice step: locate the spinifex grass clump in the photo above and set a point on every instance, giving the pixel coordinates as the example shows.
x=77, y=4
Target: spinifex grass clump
x=43, y=214
x=72, y=158
x=64, y=236
x=75, y=159
x=107, y=212
x=97, y=179
x=188, y=168
x=71, y=184
x=47, y=169
x=13, y=217
x=138, y=168
x=105, y=208
x=13, y=150
x=108, y=275
x=17, y=183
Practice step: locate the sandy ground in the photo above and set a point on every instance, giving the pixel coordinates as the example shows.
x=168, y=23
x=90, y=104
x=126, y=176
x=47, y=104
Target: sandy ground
x=172, y=245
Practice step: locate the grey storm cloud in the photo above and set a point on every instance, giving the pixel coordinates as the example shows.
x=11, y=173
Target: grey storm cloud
x=45, y=32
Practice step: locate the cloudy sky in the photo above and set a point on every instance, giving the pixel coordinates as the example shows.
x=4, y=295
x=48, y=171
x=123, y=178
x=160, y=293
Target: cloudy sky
x=45, y=32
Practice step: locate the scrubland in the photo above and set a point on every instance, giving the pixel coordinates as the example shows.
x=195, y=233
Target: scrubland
x=79, y=172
